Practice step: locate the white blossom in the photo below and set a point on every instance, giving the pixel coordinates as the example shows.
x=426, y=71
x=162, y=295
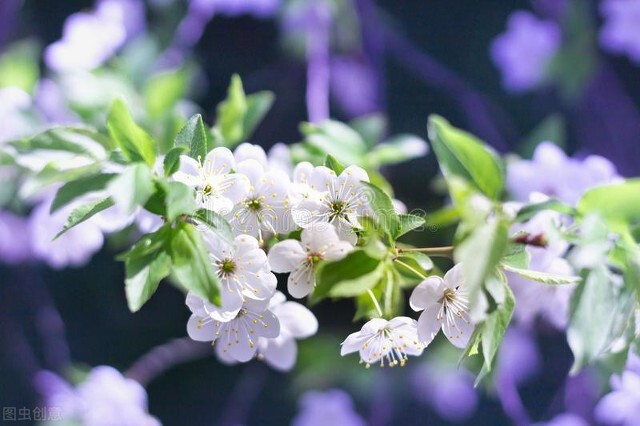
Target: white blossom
x=296, y=322
x=217, y=188
x=445, y=305
x=300, y=258
x=340, y=200
x=242, y=268
x=237, y=338
x=382, y=340
x=266, y=207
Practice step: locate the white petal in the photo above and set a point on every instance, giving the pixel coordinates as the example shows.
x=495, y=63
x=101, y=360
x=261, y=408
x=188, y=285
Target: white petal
x=428, y=292
x=301, y=282
x=338, y=250
x=270, y=326
x=221, y=205
x=373, y=326
x=429, y=324
x=246, y=243
x=352, y=343
x=281, y=353
x=235, y=187
x=321, y=178
x=296, y=320
x=319, y=235
x=302, y=172
x=246, y=151
x=231, y=304
x=219, y=161
x=459, y=331
x=346, y=232
x=200, y=329
x=189, y=171
x=285, y=256
x=252, y=170
x=454, y=278
x=239, y=345
x=223, y=354
x=354, y=175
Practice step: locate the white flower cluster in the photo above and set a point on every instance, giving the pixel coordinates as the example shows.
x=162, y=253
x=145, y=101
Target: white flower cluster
x=264, y=196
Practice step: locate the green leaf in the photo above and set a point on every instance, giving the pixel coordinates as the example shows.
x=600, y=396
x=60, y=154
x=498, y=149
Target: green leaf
x=421, y=259
x=398, y=149
x=217, y=224
x=74, y=140
x=354, y=268
x=146, y=264
x=191, y=264
x=84, y=212
x=542, y=277
x=79, y=187
x=409, y=222
x=179, y=200
x=19, y=66
x=163, y=91
x=135, y=143
x=370, y=127
x=530, y=210
x=516, y=256
x=480, y=253
x=258, y=105
x=337, y=139
x=552, y=128
x=231, y=113
x=494, y=327
x=618, y=204
x=172, y=160
x=132, y=188
x=383, y=210
x=593, y=308
x=194, y=136
x=462, y=154
x=359, y=285
x=334, y=164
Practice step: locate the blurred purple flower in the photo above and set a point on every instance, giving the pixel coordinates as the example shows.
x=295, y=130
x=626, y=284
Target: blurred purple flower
x=524, y=51
x=74, y=248
x=565, y=419
x=447, y=389
x=14, y=108
x=258, y=8
x=14, y=238
x=621, y=30
x=622, y=405
x=353, y=85
x=331, y=407
x=90, y=38
x=104, y=398
x=552, y=173
x=581, y=394
x=51, y=102
x=519, y=359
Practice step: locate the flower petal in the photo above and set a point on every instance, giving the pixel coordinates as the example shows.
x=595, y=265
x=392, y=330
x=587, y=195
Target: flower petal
x=202, y=330
x=352, y=343
x=219, y=161
x=428, y=292
x=296, y=320
x=429, y=324
x=286, y=255
x=281, y=353
x=459, y=330
x=301, y=282
x=454, y=278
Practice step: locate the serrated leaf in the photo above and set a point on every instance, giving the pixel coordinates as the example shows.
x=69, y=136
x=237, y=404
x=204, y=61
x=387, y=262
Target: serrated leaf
x=179, y=200
x=530, y=210
x=171, y=162
x=355, y=265
x=542, y=277
x=409, y=222
x=194, y=136
x=618, y=204
x=332, y=163
x=495, y=327
x=132, y=188
x=383, y=210
x=516, y=256
x=84, y=212
x=217, y=224
x=79, y=187
x=191, y=264
x=231, y=113
x=465, y=156
x=135, y=143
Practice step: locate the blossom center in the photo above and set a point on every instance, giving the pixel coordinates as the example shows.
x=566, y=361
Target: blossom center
x=254, y=204
x=226, y=267
x=313, y=259
x=336, y=208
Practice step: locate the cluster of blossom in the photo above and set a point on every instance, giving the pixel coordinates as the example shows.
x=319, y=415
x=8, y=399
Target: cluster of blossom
x=103, y=398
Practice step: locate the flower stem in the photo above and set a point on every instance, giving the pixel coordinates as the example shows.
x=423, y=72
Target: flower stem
x=375, y=302
x=446, y=251
x=411, y=268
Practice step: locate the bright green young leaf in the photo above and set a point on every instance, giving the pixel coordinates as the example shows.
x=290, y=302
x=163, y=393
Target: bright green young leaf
x=258, y=105
x=337, y=139
x=135, y=143
x=79, y=187
x=132, y=188
x=232, y=112
x=398, y=149
x=172, y=160
x=462, y=154
x=74, y=140
x=516, y=256
x=146, y=264
x=542, y=277
x=383, y=210
x=84, y=212
x=334, y=164
x=421, y=259
x=163, y=91
x=618, y=204
x=191, y=264
x=19, y=66
x=409, y=222
x=194, y=136
x=216, y=223
x=350, y=269
x=356, y=286
x=179, y=200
